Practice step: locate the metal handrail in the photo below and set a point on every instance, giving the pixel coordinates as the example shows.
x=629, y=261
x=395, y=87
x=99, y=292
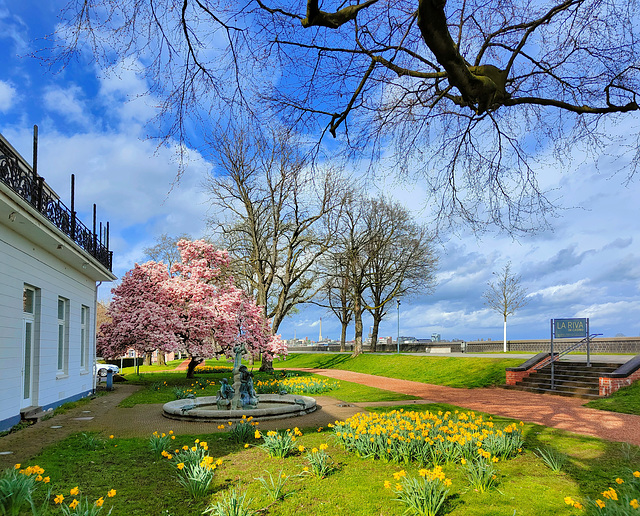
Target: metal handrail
x=556, y=356
x=574, y=347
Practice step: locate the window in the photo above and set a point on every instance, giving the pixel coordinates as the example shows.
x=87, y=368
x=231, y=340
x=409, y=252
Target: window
x=28, y=342
x=63, y=335
x=84, y=337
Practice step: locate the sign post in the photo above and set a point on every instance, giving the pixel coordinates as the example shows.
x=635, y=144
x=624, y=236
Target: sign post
x=569, y=329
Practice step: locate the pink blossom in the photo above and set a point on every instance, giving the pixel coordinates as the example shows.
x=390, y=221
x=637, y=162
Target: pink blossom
x=195, y=308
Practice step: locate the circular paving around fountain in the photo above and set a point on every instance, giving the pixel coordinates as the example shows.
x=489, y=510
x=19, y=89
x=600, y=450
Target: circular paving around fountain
x=270, y=406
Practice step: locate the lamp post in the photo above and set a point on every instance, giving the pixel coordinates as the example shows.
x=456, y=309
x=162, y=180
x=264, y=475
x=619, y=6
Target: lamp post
x=398, y=337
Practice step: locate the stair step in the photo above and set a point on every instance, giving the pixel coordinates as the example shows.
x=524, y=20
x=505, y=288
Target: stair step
x=556, y=392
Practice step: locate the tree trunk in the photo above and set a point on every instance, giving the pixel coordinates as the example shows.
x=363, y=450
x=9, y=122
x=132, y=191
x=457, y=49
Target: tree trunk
x=195, y=361
x=161, y=358
x=343, y=337
x=267, y=364
x=504, y=343
x=147, y=358
x=374, y=333
x=357, y=316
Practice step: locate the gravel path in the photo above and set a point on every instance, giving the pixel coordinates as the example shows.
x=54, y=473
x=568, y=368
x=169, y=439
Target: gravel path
x=103, y=415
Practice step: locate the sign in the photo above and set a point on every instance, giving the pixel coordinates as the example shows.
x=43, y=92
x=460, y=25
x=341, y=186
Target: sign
x=570, y=328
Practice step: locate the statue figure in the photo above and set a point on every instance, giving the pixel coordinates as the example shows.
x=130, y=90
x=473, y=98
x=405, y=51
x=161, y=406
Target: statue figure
x=247, y=392
x=225, y=394
x=239, y=350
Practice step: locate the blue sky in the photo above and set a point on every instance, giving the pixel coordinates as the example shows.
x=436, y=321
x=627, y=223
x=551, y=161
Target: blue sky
x=94, y=125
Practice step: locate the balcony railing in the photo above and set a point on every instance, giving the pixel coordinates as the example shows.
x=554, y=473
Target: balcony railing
x=18, y=175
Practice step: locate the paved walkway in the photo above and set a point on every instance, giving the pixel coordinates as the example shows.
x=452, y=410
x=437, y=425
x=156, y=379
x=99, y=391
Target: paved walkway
x=103, y=415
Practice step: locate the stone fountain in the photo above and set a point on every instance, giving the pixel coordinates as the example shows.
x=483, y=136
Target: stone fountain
x=234, y=402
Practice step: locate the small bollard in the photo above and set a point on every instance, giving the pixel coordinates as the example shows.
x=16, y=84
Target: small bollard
x=109, y=380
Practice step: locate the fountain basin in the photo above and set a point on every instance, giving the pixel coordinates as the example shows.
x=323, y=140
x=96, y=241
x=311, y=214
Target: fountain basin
x=270, y=406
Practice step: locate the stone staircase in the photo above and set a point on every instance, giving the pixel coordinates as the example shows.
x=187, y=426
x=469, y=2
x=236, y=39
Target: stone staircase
x=570, y=379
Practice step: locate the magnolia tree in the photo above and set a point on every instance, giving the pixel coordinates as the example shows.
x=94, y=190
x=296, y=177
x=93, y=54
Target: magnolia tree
x=139, y=316
x=195, y=308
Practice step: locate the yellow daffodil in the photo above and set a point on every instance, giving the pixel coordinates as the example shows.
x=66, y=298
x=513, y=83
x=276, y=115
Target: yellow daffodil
x=180, y=465
x=74, y=491
x=634, y=503
x=17, y=466
x=73, y=504
x=58, y=499
x=600, y=504
x=111, y=493
x=100, y=502
x=619, y=481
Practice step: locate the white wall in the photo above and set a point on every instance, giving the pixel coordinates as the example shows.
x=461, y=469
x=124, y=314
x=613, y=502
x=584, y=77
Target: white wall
x=23, y=262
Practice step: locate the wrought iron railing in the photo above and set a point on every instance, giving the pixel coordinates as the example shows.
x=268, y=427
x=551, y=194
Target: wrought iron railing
x=18, y=176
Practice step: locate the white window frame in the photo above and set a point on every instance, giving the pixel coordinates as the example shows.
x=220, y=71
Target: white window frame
x=28, y=358
x=63, y=336
x=85, y=319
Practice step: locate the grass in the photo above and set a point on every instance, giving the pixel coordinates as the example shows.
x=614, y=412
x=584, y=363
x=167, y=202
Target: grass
x=468, y=373
x=626, y=400
x=159, y=388
x=146, y=486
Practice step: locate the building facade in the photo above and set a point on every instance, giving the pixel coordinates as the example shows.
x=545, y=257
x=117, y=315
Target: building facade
x=50, y=267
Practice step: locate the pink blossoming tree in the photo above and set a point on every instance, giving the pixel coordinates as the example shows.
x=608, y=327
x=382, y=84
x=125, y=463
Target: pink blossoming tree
x=195, y=308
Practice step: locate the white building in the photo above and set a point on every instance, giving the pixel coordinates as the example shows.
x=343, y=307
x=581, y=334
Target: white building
x=49, y=265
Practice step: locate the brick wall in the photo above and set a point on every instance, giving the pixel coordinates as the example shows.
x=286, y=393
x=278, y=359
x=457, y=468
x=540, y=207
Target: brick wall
x=515, y=376
x=610, y=385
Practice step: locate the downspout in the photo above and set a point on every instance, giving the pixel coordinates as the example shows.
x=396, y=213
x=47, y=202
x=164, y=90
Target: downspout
x=95, y=333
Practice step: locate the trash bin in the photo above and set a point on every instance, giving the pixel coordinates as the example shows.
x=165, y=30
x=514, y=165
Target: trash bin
x=109, y=380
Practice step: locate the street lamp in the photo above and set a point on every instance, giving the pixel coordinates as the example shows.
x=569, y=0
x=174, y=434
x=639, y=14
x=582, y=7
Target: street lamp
x=398, y=337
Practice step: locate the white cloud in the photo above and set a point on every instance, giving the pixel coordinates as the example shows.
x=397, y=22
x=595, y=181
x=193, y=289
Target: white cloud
x=7, y=96
x=69, y=103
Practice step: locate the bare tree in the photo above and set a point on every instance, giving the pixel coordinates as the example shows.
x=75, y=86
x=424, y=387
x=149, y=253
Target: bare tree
x=276, y=214
x=402, y=259
x=165, y=249
x=335, y=291
x=471, y=92
x=505, y=296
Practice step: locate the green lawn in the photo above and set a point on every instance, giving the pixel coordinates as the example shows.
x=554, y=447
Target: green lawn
x=468, y=373
x=146, y=486
x=625, y=400
x=159, y=388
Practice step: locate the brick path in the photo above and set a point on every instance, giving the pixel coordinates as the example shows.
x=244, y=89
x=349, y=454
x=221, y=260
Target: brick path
x=142, y=420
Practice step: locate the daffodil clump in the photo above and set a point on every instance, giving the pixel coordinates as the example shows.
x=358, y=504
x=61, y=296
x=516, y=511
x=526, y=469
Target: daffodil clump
x=427, y=438
x=621, y=499
x=160, y=442
x=18, y=485
x=77, y=505
x=278, y=444
x=320, y=463
x=194, y=466
x=296, y=385
x=241, y=431
x=205, y=369
x=424, y=495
